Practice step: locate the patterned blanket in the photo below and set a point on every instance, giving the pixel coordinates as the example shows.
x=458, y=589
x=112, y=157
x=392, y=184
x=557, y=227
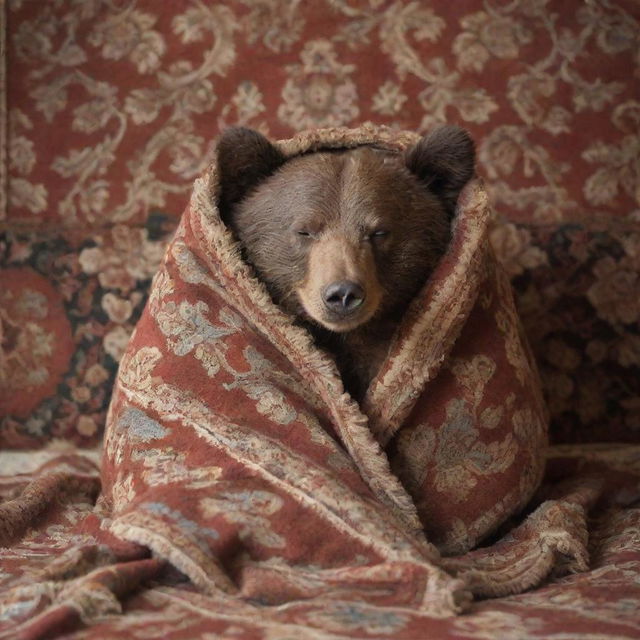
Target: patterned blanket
x=233, y=456
x=233, y=451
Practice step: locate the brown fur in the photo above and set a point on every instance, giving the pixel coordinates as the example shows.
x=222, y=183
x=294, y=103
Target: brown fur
x=371, y=218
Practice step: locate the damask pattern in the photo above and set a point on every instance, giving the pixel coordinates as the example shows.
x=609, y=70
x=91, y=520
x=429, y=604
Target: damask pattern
x=578, y=290
x=113, y=106
x=110, y=112
x=69, y=304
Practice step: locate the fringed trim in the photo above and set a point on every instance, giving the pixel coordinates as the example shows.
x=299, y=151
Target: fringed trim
x=379, y=136
x=203, y=570
x=434, y=320
x=433, y=592
x=86, y=600
x=554, y=537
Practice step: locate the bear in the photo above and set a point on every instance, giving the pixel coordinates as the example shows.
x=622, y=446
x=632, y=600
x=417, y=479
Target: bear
x=344, y=239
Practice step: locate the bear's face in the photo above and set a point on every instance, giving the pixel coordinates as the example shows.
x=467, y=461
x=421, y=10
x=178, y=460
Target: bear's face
x=338, y=237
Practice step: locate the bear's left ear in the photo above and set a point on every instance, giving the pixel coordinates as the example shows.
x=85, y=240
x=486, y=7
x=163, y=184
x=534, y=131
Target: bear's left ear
x=245, y=157
x=444, y=160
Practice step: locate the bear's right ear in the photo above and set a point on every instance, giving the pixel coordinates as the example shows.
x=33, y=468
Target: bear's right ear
x=245, y=157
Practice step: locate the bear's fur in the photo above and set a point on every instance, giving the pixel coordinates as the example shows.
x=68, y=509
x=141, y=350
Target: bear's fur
x=343, y=240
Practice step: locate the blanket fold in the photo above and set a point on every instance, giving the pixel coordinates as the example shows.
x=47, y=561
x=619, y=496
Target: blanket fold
x=233, y=452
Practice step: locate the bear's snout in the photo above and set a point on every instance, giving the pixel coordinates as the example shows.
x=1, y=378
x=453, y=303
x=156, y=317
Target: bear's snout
x=341, y=289
x=343, y=297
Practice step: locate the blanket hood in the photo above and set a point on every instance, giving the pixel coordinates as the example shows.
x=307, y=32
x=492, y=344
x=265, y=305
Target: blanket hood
x=233, y=451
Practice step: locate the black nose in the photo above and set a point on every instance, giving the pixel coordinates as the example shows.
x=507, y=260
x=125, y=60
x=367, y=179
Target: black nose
x=343, y=297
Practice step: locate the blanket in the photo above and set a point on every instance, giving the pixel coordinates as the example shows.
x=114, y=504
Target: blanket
x=233, y=451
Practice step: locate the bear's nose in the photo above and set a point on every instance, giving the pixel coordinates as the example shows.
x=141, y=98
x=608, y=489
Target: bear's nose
x=343, y=297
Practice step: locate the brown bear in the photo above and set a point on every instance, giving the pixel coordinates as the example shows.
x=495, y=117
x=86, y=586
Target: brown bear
x=344, y=239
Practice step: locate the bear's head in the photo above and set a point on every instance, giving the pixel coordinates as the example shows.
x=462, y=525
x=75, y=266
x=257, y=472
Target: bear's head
x=341, y=237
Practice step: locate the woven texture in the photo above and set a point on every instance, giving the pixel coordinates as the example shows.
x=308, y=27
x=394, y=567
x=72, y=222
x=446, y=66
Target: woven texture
x=110, y=110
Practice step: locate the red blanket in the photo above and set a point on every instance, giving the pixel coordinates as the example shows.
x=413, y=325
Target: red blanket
x=233, y=451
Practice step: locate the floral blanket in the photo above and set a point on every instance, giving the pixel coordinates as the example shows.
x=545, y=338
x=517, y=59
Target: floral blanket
x=245, y=495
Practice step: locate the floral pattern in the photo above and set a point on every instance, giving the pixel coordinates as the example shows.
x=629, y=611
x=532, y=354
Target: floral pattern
x=128, y=97
x=69, y=305
x=109, y=113
x=35, y=340
x=579, y=307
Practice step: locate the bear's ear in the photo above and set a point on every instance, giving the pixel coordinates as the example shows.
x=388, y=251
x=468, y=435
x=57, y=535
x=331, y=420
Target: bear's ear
x=245, y=157
x=444, y=160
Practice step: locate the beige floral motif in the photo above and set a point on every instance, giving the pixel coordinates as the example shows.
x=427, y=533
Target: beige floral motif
x=248, y=103
x=130, y=34
x=473, y=104
x=491, y=417
x=186, y=325
x=593, y=96
x=462, y=457
x=473, y=374
x=488, y=34
x=115, y=342
x=24, y=345
x=527, y=426
x=122, y=490
x=118, y=309
x=398, y=22
x=621, y=163
x=21, y=155
x=527, y=93
x=616, y=292
x=86, y=426
x=277, y=22
x=413, y=470
x=136, y=371
x=615, y=31
x=95, y=375
x=92, y=116
x=33, y=39
x=166, y=466
x=251, y=509
x=389, y=99
x=319, y=92
x=161, y=287
x=210, y=357
x=514, y=249
x=270, y=400
x=123, y=255
x=26, y=195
